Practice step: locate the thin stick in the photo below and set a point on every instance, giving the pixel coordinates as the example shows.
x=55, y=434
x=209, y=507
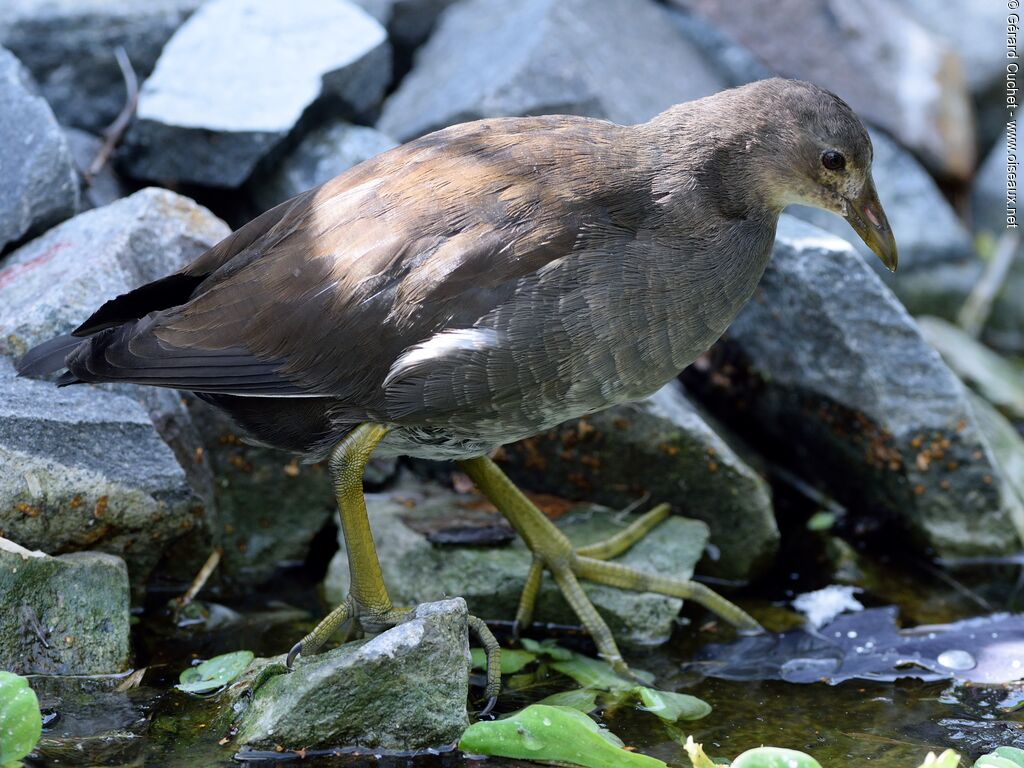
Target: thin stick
x=201, y=578
x=113, y=132
x=975, y=311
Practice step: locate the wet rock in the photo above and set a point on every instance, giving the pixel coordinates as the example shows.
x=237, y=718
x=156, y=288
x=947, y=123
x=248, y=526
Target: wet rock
x=319, y=157
x=826, y=371
x=489, y=58
x=103, y=188
x=82, y=468
x=69, y=45
x=210, y=112
x=988, y=192
x=40, y=186
x=490, y=578
x=1007, y=452
x=64, y=615
x=665, y=448
x=56, y=281
x=402, y=690
x=897, y=75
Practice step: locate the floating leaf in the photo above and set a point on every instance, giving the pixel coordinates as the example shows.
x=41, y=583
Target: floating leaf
x=547, y=648
x=20, y=720
x=948, y=759
x=591, y=673
x=672, y=706
x=1002, y=757
x=214, y=673
x=774, y=757
x=583, y=699
x=512, y=660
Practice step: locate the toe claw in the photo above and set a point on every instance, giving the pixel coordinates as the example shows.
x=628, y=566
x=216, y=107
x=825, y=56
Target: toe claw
x=488, y=708
x=295, y=651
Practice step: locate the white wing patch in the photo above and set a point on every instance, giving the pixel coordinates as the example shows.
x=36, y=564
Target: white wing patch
x=442, y=345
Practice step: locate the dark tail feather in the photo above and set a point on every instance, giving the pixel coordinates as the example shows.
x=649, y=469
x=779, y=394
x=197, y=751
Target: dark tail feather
x=48, y=357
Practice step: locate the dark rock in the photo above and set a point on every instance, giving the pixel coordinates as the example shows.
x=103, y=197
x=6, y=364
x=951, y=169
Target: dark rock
x=64, y=615
x=490, y=578
x=56, y=281
x=826, y=370
x=873, y=54
x=69, y=45
x=40, y=187
x=412, y=21
x=489, y=58
x=210, y=112
x=106, y=186
x=81, y=468
x=403, y=690
x=664, y=448
x=320, y=156
x=734, y=62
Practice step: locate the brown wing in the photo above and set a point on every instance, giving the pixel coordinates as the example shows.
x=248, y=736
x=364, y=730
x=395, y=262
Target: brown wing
x=321, y=295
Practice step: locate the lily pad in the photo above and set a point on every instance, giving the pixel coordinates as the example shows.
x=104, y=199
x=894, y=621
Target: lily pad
x=583, y=699
x=512, y=660
x=552, y=734
x=20, y=720
x=774, y=757
x=671, y=706
x=213, y=674
x=1002, y=757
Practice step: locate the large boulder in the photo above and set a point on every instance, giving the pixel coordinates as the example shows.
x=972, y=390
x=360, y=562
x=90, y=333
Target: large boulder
x=69, y=45
x=418, y=527
x=64, y=615
x=82, y=468
x=40, y=186
x=662, y=448
x=872, y=53
x=236, y=78
x=826, y=371
x=403, y=690
x=620, y=59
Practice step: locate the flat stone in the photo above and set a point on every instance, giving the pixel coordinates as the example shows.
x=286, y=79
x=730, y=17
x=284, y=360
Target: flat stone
x=403, y=690
x=897, y=75
x=69, y=45
x=40, y=185
x=64, y=615
x=56, y=281
x=489, y=58
x=826, y=371
x=665, y=449
x=82, y=468
x=490, y=578
x=210, y=112
x=320, y=156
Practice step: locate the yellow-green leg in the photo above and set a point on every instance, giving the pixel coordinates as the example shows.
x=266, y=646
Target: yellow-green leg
x=554, y=552
x=368, y=603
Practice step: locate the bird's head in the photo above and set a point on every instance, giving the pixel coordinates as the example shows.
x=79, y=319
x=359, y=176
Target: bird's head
x=819, y=154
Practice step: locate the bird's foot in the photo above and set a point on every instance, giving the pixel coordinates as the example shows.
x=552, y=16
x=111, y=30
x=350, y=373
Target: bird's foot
x=375, y=619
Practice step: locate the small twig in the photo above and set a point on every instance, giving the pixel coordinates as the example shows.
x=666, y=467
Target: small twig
x=975, y=311
x=113, y=132
x=201, y=578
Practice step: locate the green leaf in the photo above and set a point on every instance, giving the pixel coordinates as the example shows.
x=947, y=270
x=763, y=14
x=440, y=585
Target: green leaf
x=551, y=734
x=774, y=757
x=672, y=706
x=214, y=673
x=583, y=699
x=821, y=521
x=512, y=660
x=21, y=723
x=547, y=648
x=1002, y=757
x=948, y=759
x=1011, y=753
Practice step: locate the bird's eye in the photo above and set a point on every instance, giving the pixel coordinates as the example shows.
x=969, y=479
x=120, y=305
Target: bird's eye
x=833, y=160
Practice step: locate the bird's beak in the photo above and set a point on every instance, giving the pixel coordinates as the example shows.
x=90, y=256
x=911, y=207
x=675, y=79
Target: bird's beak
x=866, y=216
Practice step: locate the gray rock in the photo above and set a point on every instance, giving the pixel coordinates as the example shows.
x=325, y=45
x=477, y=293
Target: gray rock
x=988, y=192
x=825, y=369
x=489, y=58
x=40, y=186
x=735, y=63
x=873, y=54
x=320, y=156
x=1008, y=453
x=56, y=281
x=491, y=578
x=403, y=690
x=64, y=615
x=210, y=112
x=106, y=186
x=412, y=21
x=81, y=468
x=69, y=45
x=664, y=448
